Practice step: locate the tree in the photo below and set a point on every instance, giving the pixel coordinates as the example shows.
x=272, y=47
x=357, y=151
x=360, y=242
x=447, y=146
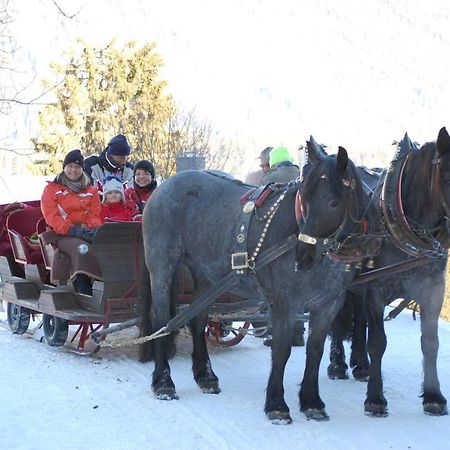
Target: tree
x=108, y=91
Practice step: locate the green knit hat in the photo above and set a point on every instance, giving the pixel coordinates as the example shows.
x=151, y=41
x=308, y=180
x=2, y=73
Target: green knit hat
x=279, y=155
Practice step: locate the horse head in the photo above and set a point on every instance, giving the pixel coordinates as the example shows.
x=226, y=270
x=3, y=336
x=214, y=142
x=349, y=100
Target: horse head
x=330, y=203
x=416, y=197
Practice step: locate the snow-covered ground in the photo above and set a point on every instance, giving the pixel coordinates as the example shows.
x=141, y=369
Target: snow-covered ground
x=53, y=399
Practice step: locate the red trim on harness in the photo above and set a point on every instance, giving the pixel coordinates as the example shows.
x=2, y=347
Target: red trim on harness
x=364, y=226
x=260, y=200
x=245, y=197
x=298, y=207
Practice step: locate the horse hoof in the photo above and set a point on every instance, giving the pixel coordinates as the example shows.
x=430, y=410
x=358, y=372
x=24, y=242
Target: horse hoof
x=316, y=414
x=210, y=389
x=166, y=393
x=279, y=417
x=360, y=374
x=435, y=409
x=337, y=372
x=375, y=410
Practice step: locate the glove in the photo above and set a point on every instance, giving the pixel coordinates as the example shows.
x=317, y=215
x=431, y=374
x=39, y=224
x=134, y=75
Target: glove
x=82, y=233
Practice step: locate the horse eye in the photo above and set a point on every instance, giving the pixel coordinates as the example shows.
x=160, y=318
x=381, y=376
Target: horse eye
x=334, y=204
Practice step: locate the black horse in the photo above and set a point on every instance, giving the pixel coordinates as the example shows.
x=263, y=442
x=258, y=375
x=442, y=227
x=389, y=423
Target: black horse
x=196, y=219
x=415, y=199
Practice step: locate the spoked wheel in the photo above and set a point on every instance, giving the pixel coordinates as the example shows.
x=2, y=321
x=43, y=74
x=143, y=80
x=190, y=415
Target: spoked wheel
x=219, y=334
x=55, y=330
x=18, y=318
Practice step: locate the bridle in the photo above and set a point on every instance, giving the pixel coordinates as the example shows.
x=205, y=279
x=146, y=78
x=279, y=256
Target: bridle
x=339, y=245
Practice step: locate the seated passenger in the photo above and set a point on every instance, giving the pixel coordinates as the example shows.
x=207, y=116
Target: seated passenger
x=113, y=160
x=114, y=206
x=71, y=207
x=282, y=169
x=254, y=178
x=144, y=184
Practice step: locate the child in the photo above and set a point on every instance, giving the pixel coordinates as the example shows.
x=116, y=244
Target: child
x=144, y=184
x=114, y=207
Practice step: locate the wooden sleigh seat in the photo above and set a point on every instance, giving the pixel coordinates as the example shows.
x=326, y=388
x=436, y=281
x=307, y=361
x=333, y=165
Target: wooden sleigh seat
x=21, y=226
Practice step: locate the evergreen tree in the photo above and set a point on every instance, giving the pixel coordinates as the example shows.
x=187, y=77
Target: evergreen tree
x=108, y=91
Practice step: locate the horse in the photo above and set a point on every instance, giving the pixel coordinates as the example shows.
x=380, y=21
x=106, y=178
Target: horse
x=196, y=219
x=414, y=206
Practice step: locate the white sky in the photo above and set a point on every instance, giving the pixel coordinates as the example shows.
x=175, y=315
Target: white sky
x=352, y=73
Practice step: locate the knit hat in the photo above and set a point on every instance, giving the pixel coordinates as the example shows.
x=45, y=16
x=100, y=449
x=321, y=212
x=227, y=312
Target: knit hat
x=119, y=146
x=264, y=155
x=279, y=155
x=74, y=156
x=145, y=165
x=113, y=184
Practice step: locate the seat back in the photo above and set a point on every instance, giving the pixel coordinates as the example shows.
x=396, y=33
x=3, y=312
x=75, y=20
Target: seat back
x=47, y=250
x=21, y=225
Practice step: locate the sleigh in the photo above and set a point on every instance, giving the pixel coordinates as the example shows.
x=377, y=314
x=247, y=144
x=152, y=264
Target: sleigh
x=70, y=318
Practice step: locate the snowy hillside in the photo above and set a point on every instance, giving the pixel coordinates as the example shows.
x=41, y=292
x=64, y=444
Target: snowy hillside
x=357, y=74
x=54, y=400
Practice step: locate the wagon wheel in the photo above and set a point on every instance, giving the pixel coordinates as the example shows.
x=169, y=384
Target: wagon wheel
x=218, y=335
x=55, y=330
x=18, y=318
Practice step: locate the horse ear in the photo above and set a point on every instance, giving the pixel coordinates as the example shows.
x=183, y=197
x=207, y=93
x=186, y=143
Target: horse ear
x=404, y=147
x=443, y=142
x=315, y=152
x=342, y=160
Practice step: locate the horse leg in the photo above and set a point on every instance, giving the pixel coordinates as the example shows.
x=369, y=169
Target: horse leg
x=375, y=403
x=276, y=409
x=359, y=361
x=337, y=369
x=162, y=384
x=201, y=364
x=434, y=403
x=310, y=402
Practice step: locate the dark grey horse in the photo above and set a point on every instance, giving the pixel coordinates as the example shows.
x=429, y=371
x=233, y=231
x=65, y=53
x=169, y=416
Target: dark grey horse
x=192, y=220
x=416, y=195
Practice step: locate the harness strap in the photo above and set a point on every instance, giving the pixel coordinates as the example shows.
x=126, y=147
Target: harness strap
x=399, y=308
x=209, y=297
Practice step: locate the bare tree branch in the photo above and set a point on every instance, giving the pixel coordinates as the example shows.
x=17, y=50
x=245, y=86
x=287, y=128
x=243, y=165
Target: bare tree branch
x=63, y=13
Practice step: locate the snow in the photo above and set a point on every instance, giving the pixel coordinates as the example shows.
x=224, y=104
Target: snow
x=21, y=188
x=54, y=399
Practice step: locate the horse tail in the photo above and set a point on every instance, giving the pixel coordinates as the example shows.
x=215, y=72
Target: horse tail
x=146, y=350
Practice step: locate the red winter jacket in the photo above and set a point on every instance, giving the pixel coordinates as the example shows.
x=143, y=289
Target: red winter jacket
x=63, y=208
x=138, y=196
x=119, y=212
